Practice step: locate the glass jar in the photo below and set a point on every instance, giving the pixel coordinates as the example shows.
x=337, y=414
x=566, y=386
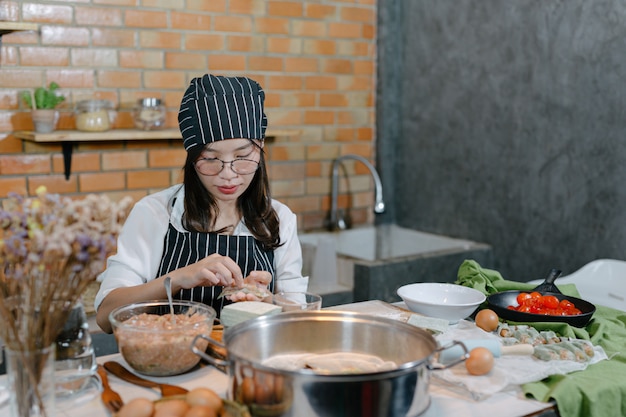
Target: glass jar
x=95, y=115
x=149, y=114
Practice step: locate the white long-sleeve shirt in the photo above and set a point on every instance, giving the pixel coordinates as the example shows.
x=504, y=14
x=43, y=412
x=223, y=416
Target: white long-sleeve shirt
x=140, y=244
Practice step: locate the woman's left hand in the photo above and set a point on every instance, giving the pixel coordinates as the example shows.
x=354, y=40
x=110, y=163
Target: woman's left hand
x=259, y=279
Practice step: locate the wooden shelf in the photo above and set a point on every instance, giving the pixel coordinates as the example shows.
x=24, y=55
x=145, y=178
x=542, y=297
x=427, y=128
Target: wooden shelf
x=68, y=137
x=120, y=134
x=8, y=27
x=109, y=135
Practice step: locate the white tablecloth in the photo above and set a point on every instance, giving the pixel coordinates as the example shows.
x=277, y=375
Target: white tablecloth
x=445, y=402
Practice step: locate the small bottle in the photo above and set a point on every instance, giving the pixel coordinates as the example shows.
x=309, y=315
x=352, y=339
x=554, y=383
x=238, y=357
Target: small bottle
x=149, y=114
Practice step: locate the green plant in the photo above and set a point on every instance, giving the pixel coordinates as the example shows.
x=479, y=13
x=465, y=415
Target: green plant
x=45, y=98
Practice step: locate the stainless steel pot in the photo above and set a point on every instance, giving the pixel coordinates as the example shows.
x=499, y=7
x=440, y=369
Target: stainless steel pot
x=274, y=392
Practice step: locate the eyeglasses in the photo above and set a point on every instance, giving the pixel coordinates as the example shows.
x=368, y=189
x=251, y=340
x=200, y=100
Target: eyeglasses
x=213, y=166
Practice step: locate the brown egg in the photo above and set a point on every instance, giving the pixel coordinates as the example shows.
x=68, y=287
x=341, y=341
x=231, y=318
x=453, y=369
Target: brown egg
x=480, y=361
x=264, y=391
x=204, y=396
x=487, y=320
x=247, y=390
x=137, y=407
x=279, y=388
x=171, y=408
x=263, y=394
x=201, y=411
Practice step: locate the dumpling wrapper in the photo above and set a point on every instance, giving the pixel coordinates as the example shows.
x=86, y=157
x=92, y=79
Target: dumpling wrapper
x=335, y=363
x=259, y=292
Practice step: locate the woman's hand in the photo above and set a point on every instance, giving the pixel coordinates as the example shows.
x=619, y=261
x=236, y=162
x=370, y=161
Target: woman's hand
x=213, y=270
x=258, y=279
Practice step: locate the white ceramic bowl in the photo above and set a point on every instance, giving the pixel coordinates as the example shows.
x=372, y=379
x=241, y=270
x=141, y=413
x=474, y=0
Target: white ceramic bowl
x=445, y=301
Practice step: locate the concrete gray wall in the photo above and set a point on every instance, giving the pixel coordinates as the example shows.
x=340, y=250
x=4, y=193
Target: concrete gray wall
x=504, y=122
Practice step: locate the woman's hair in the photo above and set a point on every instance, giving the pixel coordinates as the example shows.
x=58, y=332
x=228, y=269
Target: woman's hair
x=255, y=204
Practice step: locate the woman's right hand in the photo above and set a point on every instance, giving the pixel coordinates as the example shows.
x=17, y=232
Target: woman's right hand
x=213, y=270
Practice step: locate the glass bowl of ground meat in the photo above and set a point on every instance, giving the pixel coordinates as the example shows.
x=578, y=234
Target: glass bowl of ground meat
x=158, y=343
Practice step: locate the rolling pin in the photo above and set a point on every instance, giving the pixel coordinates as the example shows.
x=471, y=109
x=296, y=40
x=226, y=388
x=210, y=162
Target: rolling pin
x=455, y=352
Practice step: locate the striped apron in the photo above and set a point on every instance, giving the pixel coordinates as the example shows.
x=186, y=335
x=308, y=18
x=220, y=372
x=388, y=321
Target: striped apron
x=185, y=248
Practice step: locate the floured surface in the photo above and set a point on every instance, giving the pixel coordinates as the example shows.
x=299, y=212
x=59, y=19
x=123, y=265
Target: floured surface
x=376, y=308
x=396, y=312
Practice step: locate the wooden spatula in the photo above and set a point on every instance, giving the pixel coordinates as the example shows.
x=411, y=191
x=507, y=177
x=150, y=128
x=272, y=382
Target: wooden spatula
x=119, y=371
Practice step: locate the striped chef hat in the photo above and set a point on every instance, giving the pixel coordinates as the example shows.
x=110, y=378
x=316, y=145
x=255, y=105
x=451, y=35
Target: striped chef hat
x=217, y=108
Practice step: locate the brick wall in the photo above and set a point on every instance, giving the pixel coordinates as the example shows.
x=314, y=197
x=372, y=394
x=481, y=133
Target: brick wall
x=315, y=59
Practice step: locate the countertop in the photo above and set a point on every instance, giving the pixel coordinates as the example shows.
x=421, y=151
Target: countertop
x=445, y=400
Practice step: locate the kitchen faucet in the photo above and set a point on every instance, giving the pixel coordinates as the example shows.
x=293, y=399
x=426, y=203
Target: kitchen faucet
x=337, y=221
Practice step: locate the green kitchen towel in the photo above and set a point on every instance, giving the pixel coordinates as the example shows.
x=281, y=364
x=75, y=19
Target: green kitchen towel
x=471, y=274
x=599, y=390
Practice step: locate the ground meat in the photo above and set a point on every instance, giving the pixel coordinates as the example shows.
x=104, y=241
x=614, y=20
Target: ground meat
x=160, y=345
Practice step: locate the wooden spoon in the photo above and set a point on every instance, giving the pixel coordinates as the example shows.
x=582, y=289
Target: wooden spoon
x=119, y=371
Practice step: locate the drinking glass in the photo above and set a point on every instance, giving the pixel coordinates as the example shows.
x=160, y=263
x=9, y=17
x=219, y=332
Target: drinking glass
x=4, y=392
x=75, y=363
x=294, y=301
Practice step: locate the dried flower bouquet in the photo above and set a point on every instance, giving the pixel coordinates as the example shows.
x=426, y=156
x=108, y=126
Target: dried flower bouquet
x=51, y=249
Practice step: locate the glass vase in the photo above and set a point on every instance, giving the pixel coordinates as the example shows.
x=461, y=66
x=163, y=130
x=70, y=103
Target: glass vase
x=30, y=379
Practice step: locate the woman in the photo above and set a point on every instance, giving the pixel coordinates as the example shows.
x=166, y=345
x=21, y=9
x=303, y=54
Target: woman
x=220, y=228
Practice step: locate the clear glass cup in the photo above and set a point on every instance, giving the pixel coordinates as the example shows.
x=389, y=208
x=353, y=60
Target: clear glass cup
x=75, y=363
x=294, y=301
x=4, y=391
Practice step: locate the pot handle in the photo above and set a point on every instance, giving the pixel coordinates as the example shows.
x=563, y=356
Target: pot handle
x=440, y=366
x=218, y=363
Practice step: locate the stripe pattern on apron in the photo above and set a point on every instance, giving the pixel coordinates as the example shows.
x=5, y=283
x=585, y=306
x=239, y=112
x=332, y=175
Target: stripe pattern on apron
x=185, y=248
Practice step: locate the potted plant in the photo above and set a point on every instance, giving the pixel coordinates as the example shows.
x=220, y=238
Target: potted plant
x=43, y=104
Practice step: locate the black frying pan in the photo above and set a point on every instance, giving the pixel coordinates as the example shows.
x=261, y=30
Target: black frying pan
x=500, y=301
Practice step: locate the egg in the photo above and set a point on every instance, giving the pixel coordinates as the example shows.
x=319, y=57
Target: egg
x=480, y=361
x=487, y=320
x=263, y=393
x=279, y=389
x=205, y=397
x=171, y=408
x=247, y=390
x=137, y=407
x=201, y=411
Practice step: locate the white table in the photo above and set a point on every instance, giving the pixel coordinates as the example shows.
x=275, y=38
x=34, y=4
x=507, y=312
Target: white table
x=445, y=402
